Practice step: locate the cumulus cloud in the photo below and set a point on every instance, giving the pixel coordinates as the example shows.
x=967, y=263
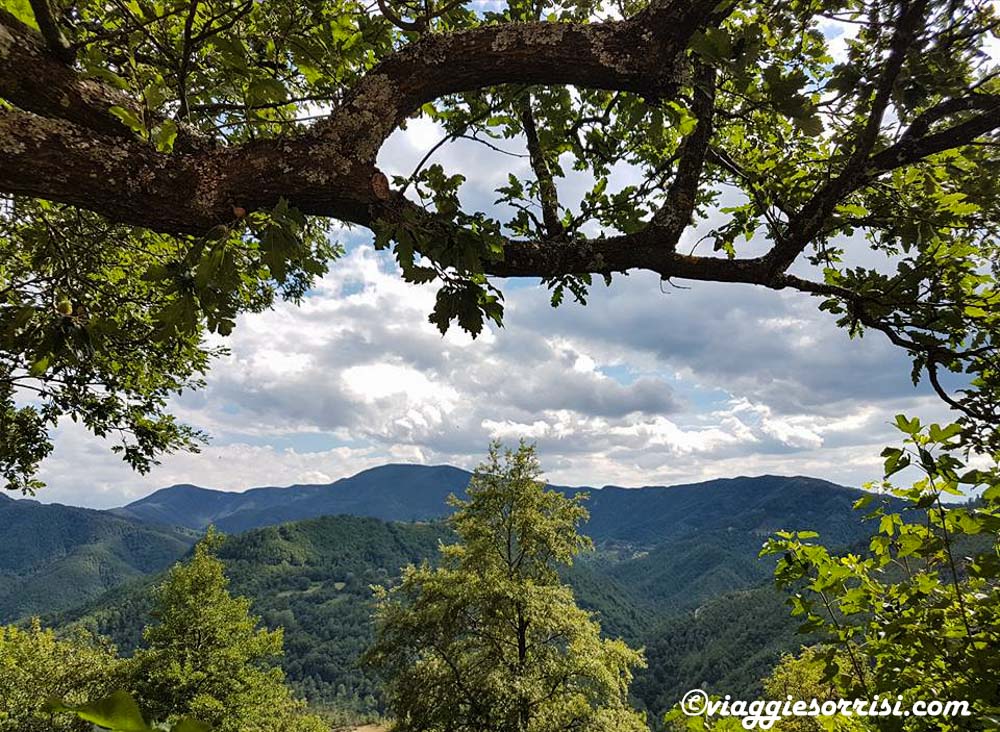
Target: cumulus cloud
x=636, y=388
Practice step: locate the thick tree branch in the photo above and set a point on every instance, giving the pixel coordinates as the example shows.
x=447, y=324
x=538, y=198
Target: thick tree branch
x=51, y=88
x=910, y=150
x=921, y=125
x=61, y=144
x=71, y=150
x=620, y=254
x=53, y=35
x=128, y=181
x=546, y=259
x=617, y=56
x=54, y=89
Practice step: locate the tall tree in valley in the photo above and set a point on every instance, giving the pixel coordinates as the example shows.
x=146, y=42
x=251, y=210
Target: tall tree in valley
x=492, y=639
x=206, y=657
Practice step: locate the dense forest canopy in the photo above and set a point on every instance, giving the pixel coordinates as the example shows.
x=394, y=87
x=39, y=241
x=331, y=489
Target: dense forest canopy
x=166, y=165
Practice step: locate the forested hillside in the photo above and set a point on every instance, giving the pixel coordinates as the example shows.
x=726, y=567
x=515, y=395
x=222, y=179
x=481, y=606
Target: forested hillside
x=727, y=645
x=692, y=591
x=681, y=600
x=675, y=568
x=81, y=553
x=53, y=557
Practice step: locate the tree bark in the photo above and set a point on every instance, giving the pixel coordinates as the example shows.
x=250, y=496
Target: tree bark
x=60, y=141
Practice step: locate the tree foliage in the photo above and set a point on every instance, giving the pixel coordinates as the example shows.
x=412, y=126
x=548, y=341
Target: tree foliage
x=919, y=614
x=105, y=333
x=36, y=665
x=206, y=656
x=224, y=134
x=803, y=677
x=205, y=664
x=491, y=639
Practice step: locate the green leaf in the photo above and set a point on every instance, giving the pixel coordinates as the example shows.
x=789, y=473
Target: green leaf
x=909, y=426
x=117, y=712
x=863, y=502
x=130, y=120
x=811, y=125
x=943, y=434
x=21, y=9
x=266, y=91
x=40, y=365
x=164, y=135
x=713, y=44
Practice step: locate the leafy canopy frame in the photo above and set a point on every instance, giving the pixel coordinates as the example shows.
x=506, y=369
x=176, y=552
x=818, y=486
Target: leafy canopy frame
x=203, y=145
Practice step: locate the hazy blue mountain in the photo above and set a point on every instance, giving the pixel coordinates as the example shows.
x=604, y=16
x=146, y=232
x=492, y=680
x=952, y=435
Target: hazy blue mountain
x=388, y=492
x=640, y=516
x=54, y=557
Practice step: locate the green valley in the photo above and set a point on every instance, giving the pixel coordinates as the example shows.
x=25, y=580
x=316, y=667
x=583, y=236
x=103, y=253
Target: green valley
x=670, y=572
x=54, y=557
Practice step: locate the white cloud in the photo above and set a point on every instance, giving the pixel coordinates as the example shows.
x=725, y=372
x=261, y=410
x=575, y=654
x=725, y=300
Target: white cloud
x=637, y=388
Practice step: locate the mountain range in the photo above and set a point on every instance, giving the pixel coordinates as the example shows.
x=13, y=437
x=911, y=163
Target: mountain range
x=54, y=557
x=388, y=492
x=420, y=493
x=675, y=568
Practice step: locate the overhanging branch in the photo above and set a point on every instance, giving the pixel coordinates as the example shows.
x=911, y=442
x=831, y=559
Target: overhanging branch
x=65, y=145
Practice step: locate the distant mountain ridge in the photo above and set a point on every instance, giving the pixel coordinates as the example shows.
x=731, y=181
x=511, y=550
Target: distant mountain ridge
x=701, y=536
x=402, y=492
x=394, y=492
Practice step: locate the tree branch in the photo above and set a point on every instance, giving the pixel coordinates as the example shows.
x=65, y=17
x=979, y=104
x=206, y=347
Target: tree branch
x=547, y=193
x=129, y=182
x=65, y=140
x=53, y=35
x=187, y=48
x=804, y=227
x=670, y=221
x=910, y=150
x=52, y=88
x=61, y=144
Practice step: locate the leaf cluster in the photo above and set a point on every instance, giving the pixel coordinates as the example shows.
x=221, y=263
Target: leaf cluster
x=917, y=613
x=104, y=324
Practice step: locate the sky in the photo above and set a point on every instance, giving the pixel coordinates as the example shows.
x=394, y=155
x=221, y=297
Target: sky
x=646, y=385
